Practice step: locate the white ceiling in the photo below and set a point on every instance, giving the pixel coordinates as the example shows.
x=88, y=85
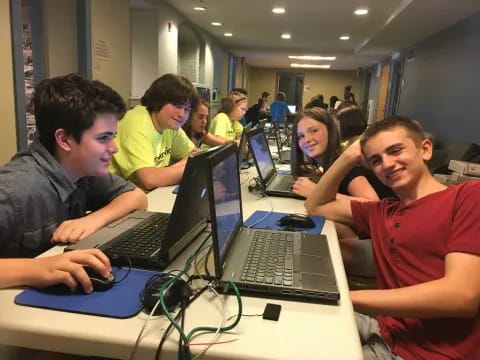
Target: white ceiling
x=315, y=26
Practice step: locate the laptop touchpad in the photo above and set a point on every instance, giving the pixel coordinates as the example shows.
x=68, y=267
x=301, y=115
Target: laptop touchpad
x=311, y=264
x=313, y=246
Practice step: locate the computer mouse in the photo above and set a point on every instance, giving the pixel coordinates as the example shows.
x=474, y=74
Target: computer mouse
x=172, y=296
x=99, y=283
x=296, y=220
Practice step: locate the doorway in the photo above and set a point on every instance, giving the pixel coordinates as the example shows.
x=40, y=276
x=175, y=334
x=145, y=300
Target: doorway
x=291, y=83
x=382, y=96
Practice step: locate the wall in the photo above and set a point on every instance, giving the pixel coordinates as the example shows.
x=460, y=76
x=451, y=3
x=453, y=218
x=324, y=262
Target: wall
x=59, y=37
x=324, y=82
x=111, y=25
x=441, y=84
x=8, y=136
x=189, y=61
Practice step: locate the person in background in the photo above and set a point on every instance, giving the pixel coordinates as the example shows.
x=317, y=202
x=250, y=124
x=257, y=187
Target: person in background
x=263, y=102
x=153, y=147
x=425, y=243
x=333, y=101
x=239, y=124
x=316, y=101
x=197, y=126
x=279, y=109
x=232, y=108
x=46, y=191
x=348, y=95
x=319, y=141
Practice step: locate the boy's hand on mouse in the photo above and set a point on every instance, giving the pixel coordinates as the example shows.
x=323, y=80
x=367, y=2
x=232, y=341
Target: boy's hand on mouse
x=66, y=268
x=303, y=186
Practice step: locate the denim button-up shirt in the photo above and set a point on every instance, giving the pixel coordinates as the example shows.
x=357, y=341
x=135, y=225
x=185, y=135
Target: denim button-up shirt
x=36, y=195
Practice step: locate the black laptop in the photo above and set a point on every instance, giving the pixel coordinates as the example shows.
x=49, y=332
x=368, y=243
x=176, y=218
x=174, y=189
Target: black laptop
x=243, y=145
x=267, y=263
x=273, y=183
x=283, y=154
x=151, y=240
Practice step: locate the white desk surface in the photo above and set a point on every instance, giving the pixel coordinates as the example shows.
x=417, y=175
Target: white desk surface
x=303, y=331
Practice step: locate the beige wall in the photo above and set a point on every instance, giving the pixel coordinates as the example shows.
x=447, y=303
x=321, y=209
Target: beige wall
x=8, y=136
x=316, y=82
x=111, y=27
x=59, y=37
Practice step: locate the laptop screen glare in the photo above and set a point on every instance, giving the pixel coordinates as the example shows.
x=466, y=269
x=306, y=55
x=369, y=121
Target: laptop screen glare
x=262, y=155
x=226, y=189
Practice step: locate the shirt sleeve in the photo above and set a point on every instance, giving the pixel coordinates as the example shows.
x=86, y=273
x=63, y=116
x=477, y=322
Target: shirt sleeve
x=220, y=125
x=356, y=171
x=181, y=145
x=7, y=221
x=101, y=190
x=361, y=212
x=465, y=220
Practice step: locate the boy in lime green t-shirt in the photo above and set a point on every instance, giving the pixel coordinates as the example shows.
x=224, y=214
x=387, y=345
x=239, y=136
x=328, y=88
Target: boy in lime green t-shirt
x=152, y=146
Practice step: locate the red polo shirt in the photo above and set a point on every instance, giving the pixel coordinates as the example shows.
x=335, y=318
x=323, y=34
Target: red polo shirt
x=410, y=243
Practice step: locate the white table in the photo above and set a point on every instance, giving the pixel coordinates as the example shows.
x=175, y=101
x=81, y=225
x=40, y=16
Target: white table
x=304, y=330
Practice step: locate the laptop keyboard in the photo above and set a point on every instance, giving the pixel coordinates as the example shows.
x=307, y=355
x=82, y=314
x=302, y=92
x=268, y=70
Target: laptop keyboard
x=270, y=259
x=142, y=241
x=282, y=183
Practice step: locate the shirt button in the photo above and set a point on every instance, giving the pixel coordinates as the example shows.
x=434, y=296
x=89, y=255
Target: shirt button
x=401, y=212
x=397, y=225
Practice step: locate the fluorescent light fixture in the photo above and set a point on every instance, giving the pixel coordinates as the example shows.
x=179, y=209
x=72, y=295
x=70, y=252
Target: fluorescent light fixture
x=361, y=11
x=312, y=57
x=216, y=23
x=278, y=10
x=228, y=34
x=286, y=36
x=200, y=8
x=311, y=66
x=345, y=37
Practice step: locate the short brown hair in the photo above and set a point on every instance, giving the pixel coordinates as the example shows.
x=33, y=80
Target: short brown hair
x=412, y=127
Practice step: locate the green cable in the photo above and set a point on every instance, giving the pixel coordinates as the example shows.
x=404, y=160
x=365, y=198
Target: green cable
x=185, y=338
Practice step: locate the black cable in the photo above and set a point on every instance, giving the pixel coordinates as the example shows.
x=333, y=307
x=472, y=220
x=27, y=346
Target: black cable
x=170, y=326
x=126, y=274
x=206, y=261
x=182, y=325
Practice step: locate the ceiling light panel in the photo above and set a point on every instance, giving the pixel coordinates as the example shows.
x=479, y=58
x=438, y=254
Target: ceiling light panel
x=286, y=36
x=227, y=34
x=361, y=11
x=216, y=23
x=278, y=10
x=200, y=8
x=312, y=57
x=344, y=37
x=310, y=66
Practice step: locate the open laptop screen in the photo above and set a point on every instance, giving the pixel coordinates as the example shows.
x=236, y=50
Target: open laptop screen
x=226, y=194
x=292, y=108
x=260, y=149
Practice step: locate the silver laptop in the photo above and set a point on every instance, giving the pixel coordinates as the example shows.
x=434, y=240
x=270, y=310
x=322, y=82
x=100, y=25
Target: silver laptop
x=263, y=262
x=273, y=183
x=151, y=240
x=283, y=154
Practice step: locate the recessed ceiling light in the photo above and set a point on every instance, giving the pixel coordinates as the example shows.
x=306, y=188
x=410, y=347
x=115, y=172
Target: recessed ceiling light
x=286, y=36
x=215, y=23
x=361, y=11
x=312, y=66
x=200, y=8
x=344, y=37
x=228, y=34
x=278, y=10
x=312, y=57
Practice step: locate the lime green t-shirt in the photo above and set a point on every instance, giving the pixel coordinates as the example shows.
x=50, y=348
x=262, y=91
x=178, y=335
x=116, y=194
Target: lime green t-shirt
x=238, y=128
x=140, y=145
x=220, y=125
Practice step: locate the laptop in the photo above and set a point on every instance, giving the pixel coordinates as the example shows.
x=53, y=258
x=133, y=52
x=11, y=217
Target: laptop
x=151, y=240
x=283, y=154
x=266, y=263
x=273, y=184
x=292, y=109
x=243, y=146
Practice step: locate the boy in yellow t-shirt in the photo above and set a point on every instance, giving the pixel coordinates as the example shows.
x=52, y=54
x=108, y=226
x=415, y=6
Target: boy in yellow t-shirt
x=152, y=146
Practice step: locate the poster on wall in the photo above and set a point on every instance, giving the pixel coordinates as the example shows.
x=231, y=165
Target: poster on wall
x=28, y=68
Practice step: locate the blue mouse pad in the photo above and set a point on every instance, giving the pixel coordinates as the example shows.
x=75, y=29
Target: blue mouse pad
x=121, y=301
x=270, y=221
